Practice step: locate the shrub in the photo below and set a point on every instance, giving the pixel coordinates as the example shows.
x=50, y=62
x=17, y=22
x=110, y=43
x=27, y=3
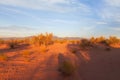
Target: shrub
x=85, y=43
x=100, y=39
x=42, y=39
x=3, y=57
x=67, y=68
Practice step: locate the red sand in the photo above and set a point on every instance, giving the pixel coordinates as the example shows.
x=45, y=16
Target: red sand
x=93, y=64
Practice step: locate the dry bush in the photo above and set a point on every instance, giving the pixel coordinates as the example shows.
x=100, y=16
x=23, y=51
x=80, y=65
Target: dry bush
x=42, y=39
x=113, y=40
x=108, y=42
x=3, y=57
x=100, y=39
x=85, y=43
x=97, y=40
x=67, y=68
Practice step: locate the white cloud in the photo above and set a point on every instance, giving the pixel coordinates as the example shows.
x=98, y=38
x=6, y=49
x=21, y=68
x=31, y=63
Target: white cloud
x=110, y=12
x=52, y=5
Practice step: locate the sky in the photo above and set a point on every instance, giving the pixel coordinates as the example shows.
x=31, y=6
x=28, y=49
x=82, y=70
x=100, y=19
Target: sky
x=64, y=18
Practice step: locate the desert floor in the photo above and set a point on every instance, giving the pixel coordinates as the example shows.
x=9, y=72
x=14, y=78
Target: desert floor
x=95, y=63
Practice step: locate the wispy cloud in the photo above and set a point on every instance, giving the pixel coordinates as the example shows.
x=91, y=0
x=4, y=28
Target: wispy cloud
x=51, y=5
x=110, y=13
x=7, y=10
x=14, y=28
x=113, y=2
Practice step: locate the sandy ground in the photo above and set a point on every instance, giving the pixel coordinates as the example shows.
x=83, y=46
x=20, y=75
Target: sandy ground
x=92, y=64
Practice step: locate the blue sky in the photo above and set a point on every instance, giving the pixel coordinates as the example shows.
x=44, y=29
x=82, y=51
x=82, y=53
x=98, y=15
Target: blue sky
x=77, y=18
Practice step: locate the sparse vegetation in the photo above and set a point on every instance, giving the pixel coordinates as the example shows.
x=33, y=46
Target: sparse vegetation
x=67, y=68
x=112, y=40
